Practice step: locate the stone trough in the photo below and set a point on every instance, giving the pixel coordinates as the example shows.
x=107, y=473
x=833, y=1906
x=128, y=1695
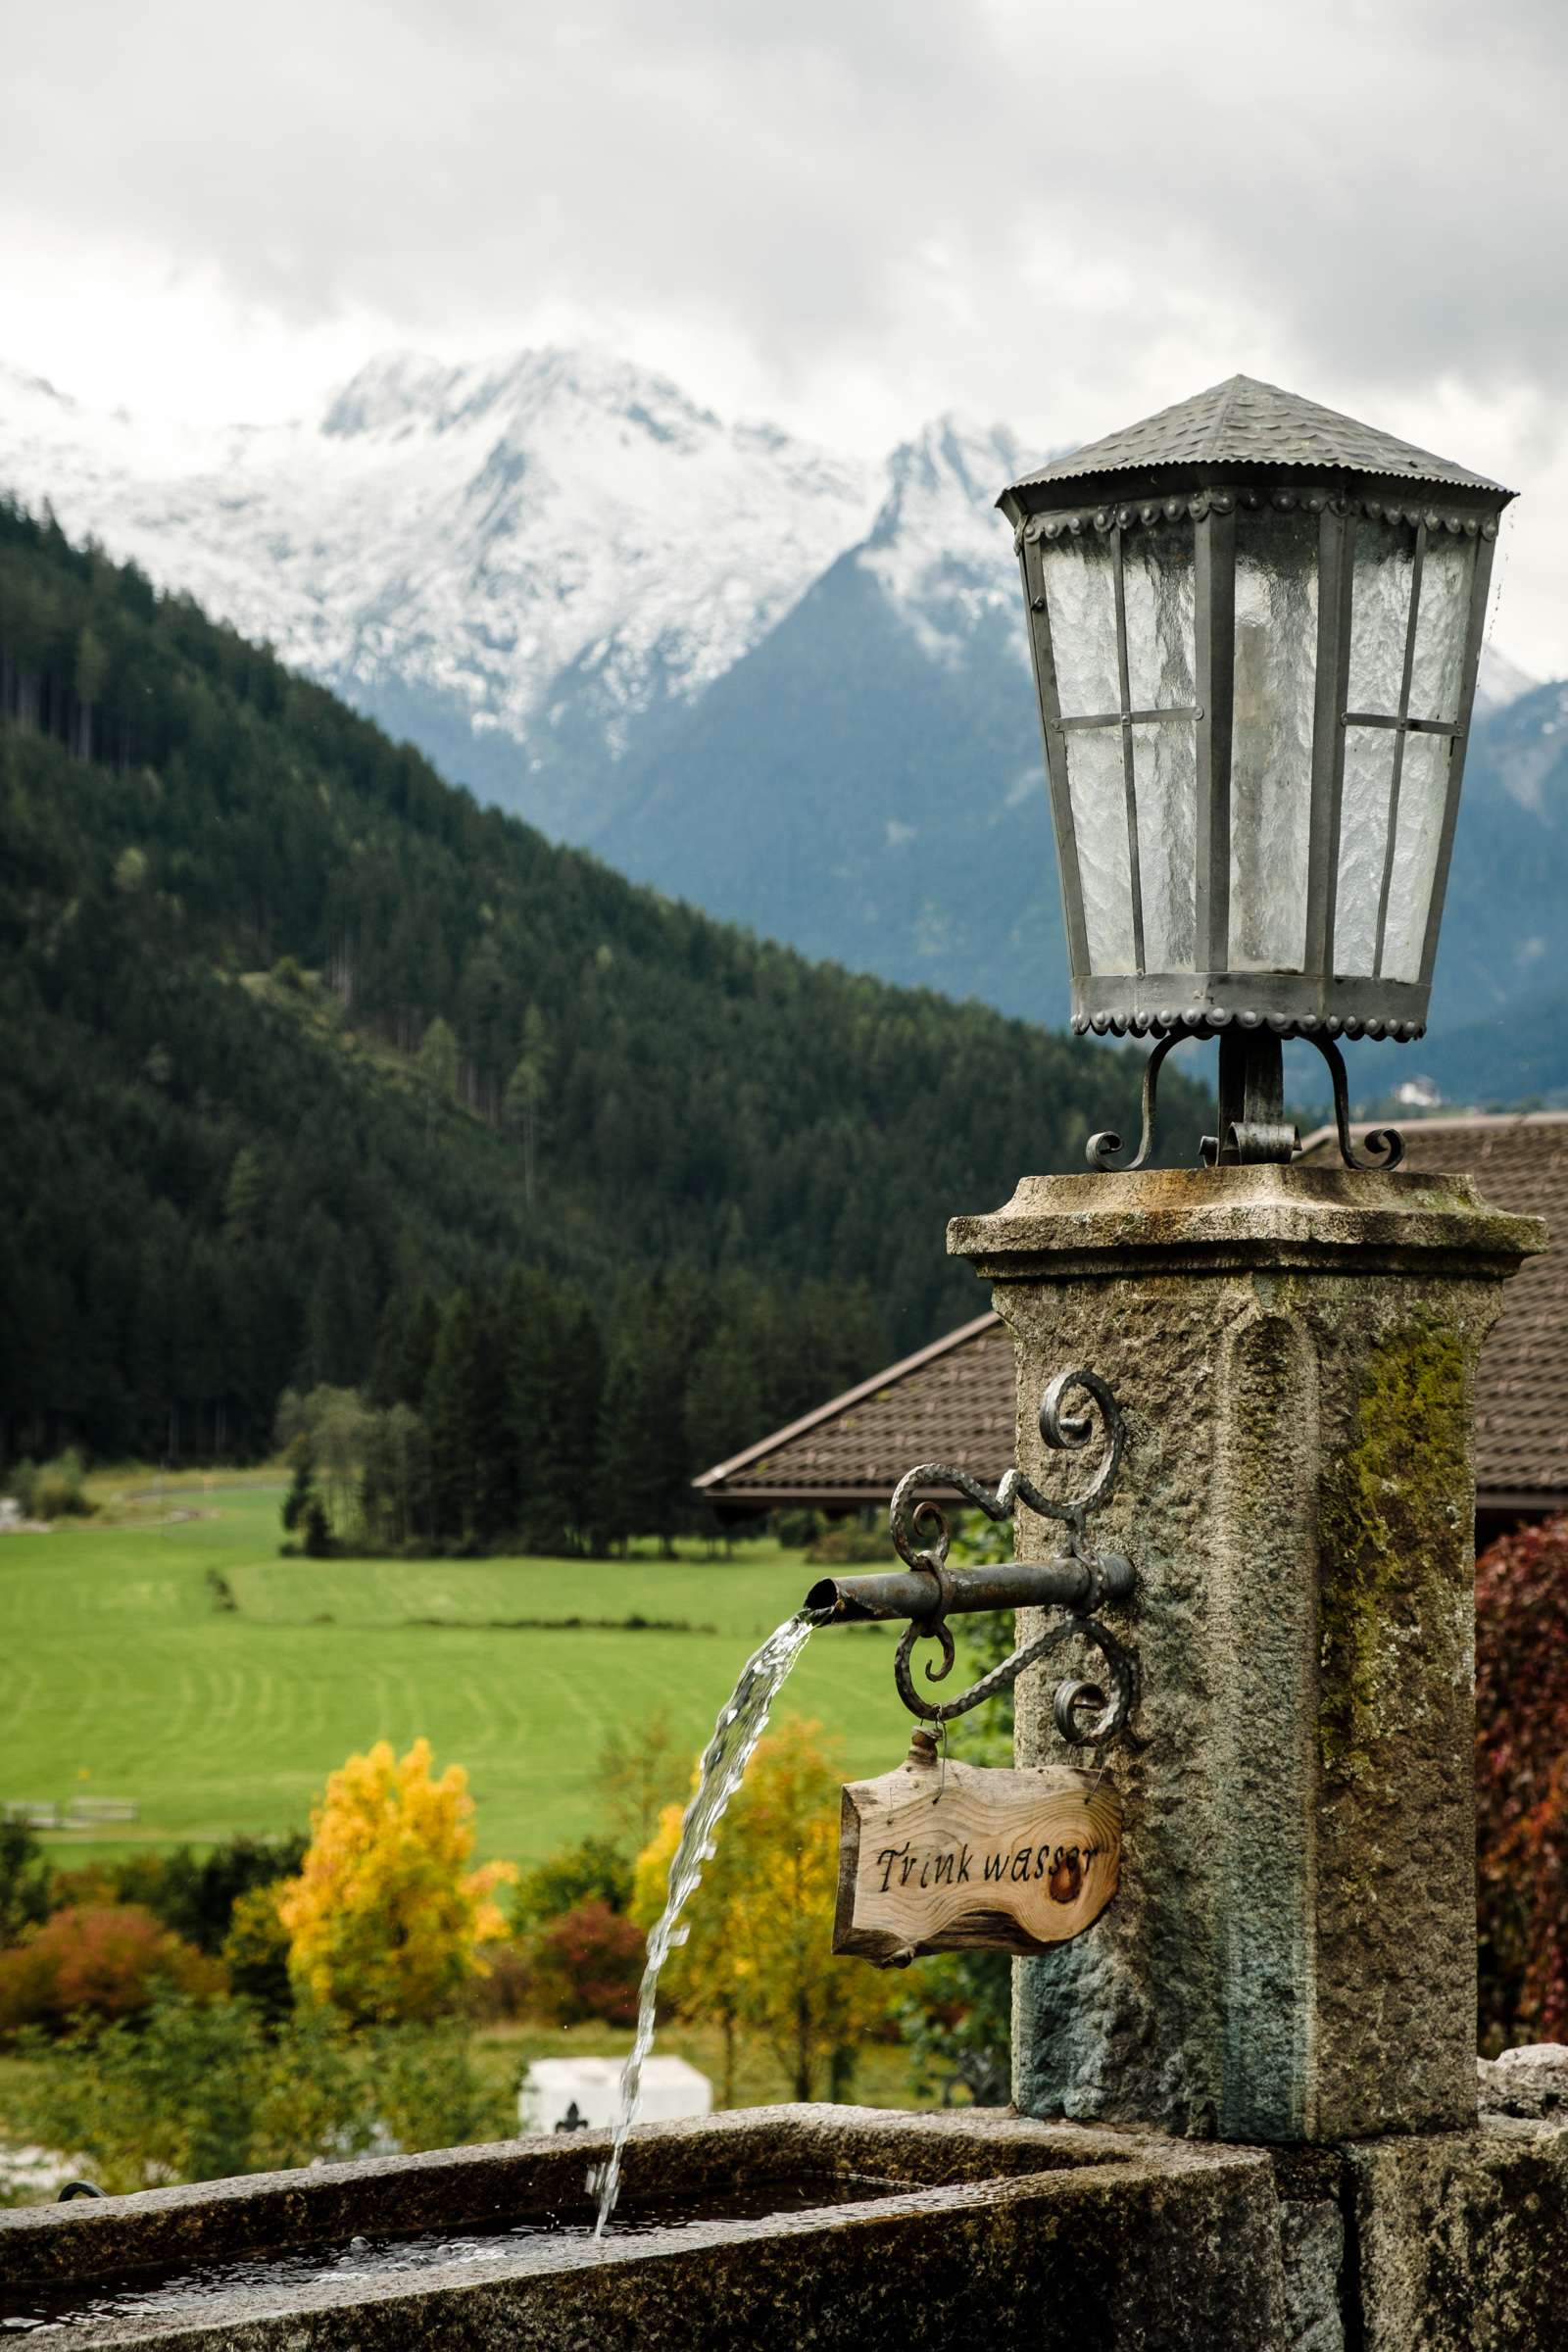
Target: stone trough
x=864, y=2229
x=837, y=2227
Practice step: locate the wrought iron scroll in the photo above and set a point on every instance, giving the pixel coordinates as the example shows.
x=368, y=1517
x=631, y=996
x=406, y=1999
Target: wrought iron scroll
x=1249, y=1142
x=1085, y=1714
x=1384, y=1146
x=1101, y=1148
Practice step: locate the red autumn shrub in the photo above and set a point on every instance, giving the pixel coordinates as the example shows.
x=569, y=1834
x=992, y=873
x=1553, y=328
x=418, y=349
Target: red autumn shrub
x=99, y=1959
x=1522, y=1785
x=586, y=1964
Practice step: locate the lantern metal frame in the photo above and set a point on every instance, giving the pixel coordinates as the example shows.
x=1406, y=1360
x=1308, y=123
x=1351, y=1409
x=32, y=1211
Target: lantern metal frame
x=1240, y=449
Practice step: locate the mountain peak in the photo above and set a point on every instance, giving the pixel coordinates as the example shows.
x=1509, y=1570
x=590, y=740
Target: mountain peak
x=399, y=390
x=389, y=390
x=937, y=547
x=952, y=465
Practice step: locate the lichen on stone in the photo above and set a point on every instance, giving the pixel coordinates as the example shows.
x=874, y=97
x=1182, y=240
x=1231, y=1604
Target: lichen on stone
x=1388, y=1531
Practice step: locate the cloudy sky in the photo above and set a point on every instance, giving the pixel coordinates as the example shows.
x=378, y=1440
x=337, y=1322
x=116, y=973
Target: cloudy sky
x=848, y=215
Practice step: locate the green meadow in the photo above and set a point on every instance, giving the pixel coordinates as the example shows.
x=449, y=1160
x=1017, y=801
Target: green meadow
x=183, y=1664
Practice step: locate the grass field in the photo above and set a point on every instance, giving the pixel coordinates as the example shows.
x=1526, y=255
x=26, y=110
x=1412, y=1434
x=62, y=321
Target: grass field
x=187, y=1666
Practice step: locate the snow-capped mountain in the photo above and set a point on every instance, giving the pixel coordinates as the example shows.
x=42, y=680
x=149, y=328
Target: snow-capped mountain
x=882, y=746
x=522, y=563
x=514, y=562
x=937, y=549
x=787, y=685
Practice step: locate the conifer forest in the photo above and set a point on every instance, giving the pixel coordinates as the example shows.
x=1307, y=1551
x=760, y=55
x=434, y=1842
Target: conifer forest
x=320, y=1076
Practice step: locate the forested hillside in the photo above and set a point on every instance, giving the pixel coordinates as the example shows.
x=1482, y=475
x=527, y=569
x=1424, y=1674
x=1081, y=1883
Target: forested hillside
x=299, y=1038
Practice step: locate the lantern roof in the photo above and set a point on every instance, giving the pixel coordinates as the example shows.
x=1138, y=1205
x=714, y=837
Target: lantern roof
x=1243, y=422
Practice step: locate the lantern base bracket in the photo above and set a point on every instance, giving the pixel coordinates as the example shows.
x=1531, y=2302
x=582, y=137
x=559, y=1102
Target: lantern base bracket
x=1253, y=1129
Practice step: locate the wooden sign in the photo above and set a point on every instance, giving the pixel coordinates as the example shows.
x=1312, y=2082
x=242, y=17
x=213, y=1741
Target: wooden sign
x=951, y=1857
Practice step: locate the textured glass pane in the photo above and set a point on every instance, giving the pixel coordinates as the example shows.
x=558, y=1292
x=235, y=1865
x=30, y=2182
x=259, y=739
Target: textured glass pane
x=1379, y=613
x=1104, y=869
x=1081, y=607
x=1271, y=743
x=1363, y=842
x=1447, y=570
x=1423, y=791
x=1166, y=773
x=1157, y=587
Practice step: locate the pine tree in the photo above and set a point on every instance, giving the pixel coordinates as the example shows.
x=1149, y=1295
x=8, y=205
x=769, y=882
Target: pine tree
x=413, y=1353
x=644, y=1456
x=581, y=1409
x=340, y=1318
x=469, y=1427
x=532, y=1336
x=438, y=1060
x=723, y=1402
x=525, y=1092
x=245, y=1195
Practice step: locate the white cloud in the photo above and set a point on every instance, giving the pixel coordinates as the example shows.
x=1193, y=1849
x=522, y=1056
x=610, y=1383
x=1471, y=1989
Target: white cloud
x=853, y=218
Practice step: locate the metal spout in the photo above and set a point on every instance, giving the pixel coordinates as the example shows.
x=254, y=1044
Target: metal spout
x=917, y=1593
x=1078, y=1583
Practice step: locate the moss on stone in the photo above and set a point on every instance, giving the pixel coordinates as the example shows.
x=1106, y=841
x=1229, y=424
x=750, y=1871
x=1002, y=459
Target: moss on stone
x=1389, y=1533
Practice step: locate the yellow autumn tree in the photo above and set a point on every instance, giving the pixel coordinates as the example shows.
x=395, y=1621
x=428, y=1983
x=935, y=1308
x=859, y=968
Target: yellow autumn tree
x=760, y=1955
x=386, y=1920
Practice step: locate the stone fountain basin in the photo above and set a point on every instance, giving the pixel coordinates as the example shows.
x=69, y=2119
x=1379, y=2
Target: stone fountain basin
x=1021, y=2232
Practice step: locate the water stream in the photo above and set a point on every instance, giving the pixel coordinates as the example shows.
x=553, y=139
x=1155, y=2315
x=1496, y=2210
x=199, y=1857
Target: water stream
x=742, y=1721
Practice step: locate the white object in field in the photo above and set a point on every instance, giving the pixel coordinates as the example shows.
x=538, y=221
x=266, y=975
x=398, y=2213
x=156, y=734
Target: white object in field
x=37, y=2173
x=575, y=2094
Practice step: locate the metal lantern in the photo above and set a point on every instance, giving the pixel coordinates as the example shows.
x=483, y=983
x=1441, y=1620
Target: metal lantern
x=1255, y=626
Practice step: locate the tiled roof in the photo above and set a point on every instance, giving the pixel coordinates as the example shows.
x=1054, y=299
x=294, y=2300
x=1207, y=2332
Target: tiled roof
x=1243, y=422
x=954, y=1401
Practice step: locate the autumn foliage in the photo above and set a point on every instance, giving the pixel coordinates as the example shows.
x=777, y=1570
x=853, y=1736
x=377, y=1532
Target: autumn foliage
x=586, y=1964
x=1522, y=1785
x=387, y=1920
x=103, y=1960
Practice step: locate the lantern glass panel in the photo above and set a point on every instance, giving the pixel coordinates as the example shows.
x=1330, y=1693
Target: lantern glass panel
x=1418, y=830
x=1160, y=599
x=1272, y=742
x=1383, y=566
x=1447, y=573
x=1098, y=799
x=1166, y=777
x=1081, y=604
x=1363, y=846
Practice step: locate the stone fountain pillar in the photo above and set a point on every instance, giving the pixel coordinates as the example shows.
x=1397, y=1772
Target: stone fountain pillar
x=1292, y=1953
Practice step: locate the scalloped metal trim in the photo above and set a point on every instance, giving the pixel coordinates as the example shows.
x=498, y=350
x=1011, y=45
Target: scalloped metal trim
x=1216, y=1017
x=1075, y=522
